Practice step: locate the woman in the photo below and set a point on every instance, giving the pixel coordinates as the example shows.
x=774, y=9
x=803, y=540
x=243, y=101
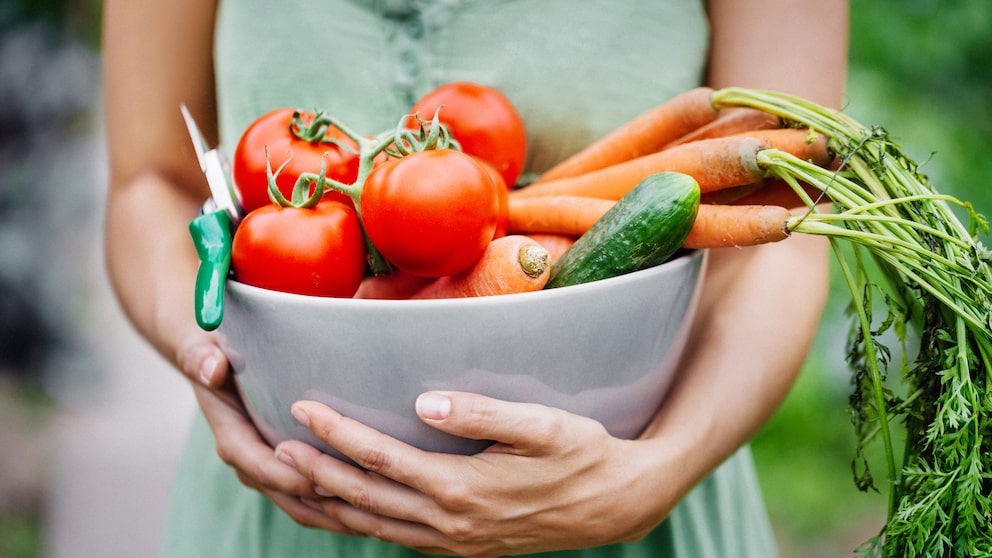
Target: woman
x=575, y=71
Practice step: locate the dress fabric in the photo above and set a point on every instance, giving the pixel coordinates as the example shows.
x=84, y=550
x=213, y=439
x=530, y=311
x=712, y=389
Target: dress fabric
x=574, y=70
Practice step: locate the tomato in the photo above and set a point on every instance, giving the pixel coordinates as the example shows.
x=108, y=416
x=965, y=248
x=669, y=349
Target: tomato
x=431, y=213
x=484, y=122
x=317, y=251
x=271, y=132
x=503, y=215
x=503, y=195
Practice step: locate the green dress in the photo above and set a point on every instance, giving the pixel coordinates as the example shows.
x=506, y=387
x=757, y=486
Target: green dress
x=574, y=70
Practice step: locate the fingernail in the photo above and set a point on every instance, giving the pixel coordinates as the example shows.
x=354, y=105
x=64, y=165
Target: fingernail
x=433, y=406
x=300, y=415
x=310, y=502
x=286, y=458
x=321, y=491
x=207, y=369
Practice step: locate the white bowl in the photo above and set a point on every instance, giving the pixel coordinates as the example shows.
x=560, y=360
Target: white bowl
x=606, y=350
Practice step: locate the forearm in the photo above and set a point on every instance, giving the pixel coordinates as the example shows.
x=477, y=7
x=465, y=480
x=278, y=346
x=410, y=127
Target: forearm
x=157, y=56
x=151, y=259
x=757, y=318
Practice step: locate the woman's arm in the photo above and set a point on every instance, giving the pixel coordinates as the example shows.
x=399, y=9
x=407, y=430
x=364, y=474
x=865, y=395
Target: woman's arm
x=797, y=47
x=558, y=480
x=157, y=56
x=761, y=305
x=156, y=187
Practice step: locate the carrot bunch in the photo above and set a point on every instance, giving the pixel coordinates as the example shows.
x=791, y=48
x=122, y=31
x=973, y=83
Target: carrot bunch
x=719, y=147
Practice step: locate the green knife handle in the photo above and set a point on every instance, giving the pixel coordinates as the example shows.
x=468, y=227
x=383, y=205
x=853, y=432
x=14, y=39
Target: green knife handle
x=211, y=234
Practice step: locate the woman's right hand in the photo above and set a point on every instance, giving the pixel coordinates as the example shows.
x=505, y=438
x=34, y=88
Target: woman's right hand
x=238, y=442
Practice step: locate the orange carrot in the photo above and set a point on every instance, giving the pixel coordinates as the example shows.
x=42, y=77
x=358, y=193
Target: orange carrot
x=730, y=121
x=715, y=225
x=572, y=215
x=645, y=133
x=722, y=226
x=776, y=191
x=397, y=285
x=555, y=244
x=797, y=141
x=510, y=264
x=732, y=195
x=715, y=163
x=770, y=191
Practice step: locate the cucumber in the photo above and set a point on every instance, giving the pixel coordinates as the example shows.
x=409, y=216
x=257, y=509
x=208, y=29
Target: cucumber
x=642, y=230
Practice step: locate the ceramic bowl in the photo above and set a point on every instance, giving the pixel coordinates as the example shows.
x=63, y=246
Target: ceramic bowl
x=606, y=350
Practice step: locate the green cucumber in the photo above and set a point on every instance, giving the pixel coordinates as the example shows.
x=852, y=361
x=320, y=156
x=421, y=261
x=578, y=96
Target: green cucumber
x=642, y=230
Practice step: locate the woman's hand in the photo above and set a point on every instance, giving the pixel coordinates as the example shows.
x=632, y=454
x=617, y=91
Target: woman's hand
x=238, y=442
x=546, y=484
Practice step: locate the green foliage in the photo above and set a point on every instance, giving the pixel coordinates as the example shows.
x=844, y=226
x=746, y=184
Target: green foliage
x=804, y=458
x=19, y=535
x=74, y=19
x=935, y=49
x=920, y=68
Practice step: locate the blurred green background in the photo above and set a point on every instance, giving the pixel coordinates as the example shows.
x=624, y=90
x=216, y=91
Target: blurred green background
x=919, y=68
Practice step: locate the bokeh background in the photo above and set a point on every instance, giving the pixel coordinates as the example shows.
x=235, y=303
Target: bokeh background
x=91, y=420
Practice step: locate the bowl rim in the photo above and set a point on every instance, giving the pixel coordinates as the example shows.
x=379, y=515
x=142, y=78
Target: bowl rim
x=685, y=258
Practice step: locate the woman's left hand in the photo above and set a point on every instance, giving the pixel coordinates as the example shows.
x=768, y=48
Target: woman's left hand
x=553, y=480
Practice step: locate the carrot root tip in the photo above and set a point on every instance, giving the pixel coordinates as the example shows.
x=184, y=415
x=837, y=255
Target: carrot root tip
x=534, y=259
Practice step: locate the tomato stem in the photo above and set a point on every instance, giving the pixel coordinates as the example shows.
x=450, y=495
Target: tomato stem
x=316, y=130
x=302, y=196
x=436, y=136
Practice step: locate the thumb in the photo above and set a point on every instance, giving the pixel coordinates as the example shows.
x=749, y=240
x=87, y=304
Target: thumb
x=202, y=360
x=521, y=425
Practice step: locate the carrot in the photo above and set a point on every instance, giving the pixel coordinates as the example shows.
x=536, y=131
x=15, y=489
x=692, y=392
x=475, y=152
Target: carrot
x=797, y=141
x=776, y=191
x=645, y=133
x=394, y=286
x=732, y=195
x=729, y=121
x=572, y=215
x=715, y=226
x=510, y=264
x=555, y=244
x=715, y=163
x=722, y=226
x=770, y=191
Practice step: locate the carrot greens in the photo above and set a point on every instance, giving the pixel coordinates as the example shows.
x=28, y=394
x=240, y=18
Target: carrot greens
x=900, y=245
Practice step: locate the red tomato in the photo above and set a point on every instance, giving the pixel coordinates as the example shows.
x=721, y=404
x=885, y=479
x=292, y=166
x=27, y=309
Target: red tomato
x=503, y=193
x=431, y=213
x=316, y=251
x=271, y=132
x=484, y=122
